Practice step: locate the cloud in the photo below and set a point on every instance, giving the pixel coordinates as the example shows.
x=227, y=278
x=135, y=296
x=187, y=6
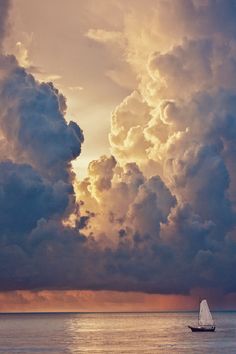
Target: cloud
x=179, y=125
x=22, y=54
x=158, y=216
x=127, y=128
x=26, y=198
x=103, y=36
x=32, y=120
x=36, y=181
x=36, y=178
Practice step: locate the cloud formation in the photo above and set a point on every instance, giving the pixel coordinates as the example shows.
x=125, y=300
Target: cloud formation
x=32, y=121
x=157, y=216
x=179, y=125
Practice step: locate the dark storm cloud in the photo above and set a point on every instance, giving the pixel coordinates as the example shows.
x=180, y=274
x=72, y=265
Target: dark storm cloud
x=209, y=151
x=26, y=197
x=38, y=252
x=37, y=147
x=32, y=120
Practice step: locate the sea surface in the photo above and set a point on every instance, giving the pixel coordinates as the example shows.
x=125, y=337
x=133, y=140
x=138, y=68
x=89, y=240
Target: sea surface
x=114, y=333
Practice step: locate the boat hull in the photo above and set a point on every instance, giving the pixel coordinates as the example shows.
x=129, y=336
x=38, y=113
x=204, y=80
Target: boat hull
x=202, y=329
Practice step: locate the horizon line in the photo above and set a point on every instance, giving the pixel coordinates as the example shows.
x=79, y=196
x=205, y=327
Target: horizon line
x=104, y=312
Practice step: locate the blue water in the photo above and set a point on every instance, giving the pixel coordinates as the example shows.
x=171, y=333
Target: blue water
x=114, y=333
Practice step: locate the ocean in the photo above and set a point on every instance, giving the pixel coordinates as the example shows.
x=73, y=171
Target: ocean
x=114, y=333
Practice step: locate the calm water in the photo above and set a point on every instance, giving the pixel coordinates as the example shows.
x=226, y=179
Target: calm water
x=114, y=333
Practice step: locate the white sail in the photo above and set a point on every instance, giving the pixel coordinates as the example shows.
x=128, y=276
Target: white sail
x=205, y=317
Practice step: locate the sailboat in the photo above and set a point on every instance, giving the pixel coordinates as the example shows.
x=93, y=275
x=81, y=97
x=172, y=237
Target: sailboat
x=205, y=320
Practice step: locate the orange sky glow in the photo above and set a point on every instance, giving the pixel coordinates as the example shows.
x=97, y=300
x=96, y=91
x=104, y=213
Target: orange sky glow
x=106, y=301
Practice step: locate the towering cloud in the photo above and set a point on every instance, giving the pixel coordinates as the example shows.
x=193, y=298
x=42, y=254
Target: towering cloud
x=179, y=125
x=36, y=179
x=159, y=214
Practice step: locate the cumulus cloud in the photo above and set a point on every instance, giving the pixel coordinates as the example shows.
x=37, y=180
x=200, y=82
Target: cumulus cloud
x=126, y=201
x=127, y=134
x=26, y=197
x=158, y=215
x=178, y=125
x=36, y=179
x=32, y=120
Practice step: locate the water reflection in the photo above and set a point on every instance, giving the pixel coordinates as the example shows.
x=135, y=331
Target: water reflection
x=114, y=333
x=145, y=333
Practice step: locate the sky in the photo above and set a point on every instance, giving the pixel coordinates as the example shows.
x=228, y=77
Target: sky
x=117, y=155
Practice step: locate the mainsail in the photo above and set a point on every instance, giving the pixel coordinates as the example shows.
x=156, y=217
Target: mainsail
x=205, y=317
